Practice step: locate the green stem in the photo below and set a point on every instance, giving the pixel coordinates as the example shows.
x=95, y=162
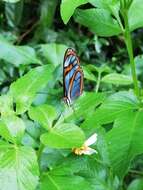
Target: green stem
x=119, y=22
x=129, y=45
x=136, y=172
x=39, y=152
x=98, y=82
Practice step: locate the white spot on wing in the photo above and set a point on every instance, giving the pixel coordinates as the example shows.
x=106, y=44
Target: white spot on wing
x=66, y=63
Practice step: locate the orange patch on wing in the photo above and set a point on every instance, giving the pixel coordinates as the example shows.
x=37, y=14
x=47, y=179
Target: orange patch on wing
x=68, y=69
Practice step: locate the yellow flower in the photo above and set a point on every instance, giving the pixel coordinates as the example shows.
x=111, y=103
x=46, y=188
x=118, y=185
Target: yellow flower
x=85, y=149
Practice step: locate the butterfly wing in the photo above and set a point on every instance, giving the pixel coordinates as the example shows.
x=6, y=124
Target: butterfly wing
x=76, y=84
x=72, y=76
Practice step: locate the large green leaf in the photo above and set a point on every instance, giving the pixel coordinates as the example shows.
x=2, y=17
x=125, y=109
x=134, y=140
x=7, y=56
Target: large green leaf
x=68, y=7
x=84, y=106
x=31, y=135
x=115, y=105
x=78, y=173
x=125, y=140
x=88, y=74
x=135, y=15
x=87, y=103
x=104, y=3
x=112, y=107
x=18, y=168
x=13, y=13
x=47, y=11
x=64, y=136
x=17, y=55
x=44, y=114
x=98, y=21
x=113, y=6
x=25, y=88
x=100, y=69
x=3, y=76
x=53, y=53
x=117, y=79
x=136, y=184
x=11, y=1
x=6, y=105
x=12, y=128
x=54, y=182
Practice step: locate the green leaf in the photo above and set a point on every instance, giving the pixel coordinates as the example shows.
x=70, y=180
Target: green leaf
x=139, y=64
x=18, y=167
x=63, y=176
x=112, y=107
x=11, y=1
x=44, y=114
x=88, y=74
x=101, y=69
x=136, y=184
x=125, y=140
x=99, y=3
x=85, y=174
x=112, y=6
x=31, y=135
x=3, y=76
x=25, y=88
x=87, y=103
x=54, y=182
x=47, y=10
x=83, y=107
x=13, y=13
x=117, y=79
x=103, y=3
x=64, y=136
x=68, y=7
x=135, y=15
x=12, y=128
x=99, y=21
x=54, y=53
x=6, y=105
x=17, y=55
x=51, y=157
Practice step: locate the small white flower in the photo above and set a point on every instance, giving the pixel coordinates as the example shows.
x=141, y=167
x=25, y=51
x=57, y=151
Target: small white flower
x=85, y=149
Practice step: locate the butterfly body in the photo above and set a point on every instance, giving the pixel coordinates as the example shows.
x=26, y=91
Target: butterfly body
x=72, y=76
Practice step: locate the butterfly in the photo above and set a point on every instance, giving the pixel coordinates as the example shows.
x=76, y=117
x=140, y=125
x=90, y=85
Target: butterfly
x=72, y=76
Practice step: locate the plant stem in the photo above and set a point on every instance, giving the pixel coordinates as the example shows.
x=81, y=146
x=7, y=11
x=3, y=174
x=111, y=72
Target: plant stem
x=98, y=82
x=39, y=152
x=129, y=45
x=136, y=172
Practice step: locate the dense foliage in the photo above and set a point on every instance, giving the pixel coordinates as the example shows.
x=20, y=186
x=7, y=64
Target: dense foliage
x=37, y=130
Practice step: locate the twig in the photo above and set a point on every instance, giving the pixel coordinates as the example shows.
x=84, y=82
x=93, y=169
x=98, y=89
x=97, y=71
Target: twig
x=26, y=33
